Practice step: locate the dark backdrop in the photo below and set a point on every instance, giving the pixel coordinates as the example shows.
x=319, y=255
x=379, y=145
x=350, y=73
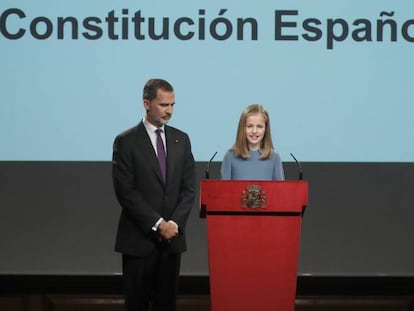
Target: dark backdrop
x=60, y=218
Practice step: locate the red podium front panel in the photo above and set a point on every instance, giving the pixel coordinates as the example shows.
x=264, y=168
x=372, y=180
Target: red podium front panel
x=253, y=251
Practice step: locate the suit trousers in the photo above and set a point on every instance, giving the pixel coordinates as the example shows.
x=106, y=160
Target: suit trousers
x=151, y=280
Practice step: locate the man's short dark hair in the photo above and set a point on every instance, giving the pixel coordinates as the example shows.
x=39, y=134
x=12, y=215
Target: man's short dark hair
x=153, y=85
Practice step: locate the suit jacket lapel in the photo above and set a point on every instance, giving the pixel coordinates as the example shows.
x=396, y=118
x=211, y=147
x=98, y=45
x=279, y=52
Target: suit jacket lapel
x=173, y=144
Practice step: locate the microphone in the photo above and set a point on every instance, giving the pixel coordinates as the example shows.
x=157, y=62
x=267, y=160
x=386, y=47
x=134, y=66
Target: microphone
x=299, y=167
x=208, y=166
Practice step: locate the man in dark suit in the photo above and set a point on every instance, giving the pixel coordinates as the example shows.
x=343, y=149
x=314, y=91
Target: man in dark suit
x=153, y=176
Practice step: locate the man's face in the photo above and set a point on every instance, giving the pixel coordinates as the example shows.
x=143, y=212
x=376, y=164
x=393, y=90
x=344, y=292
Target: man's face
x=160, y=109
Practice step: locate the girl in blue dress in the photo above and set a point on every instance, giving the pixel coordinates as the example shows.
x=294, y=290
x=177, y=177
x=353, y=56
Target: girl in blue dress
x=253, y=157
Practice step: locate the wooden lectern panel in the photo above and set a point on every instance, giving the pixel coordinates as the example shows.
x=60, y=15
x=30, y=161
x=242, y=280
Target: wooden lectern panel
x=253, y=252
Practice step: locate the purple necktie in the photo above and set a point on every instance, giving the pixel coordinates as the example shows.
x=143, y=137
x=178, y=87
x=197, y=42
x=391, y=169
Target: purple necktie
x=161, y=155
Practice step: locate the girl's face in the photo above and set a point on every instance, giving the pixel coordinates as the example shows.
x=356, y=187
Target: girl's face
x=255, y=130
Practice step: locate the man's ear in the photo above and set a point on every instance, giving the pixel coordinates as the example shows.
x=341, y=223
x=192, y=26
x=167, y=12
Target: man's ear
x=147, y=104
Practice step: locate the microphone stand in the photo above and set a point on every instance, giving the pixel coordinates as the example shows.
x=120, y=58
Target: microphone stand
x=208, y=166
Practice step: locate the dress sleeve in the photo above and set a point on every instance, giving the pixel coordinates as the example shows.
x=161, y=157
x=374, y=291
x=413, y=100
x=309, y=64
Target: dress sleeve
x=226, y=166
x=279, y=173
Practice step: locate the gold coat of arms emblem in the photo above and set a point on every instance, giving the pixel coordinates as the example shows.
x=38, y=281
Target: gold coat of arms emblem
x=253, y=197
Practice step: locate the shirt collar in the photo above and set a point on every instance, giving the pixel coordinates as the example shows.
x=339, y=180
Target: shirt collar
x=150, y=127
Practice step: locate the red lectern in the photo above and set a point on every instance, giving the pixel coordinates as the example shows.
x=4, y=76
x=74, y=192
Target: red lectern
x=253, y=232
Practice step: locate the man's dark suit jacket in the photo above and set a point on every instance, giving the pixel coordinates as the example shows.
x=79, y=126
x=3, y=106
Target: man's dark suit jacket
x=142, y=194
